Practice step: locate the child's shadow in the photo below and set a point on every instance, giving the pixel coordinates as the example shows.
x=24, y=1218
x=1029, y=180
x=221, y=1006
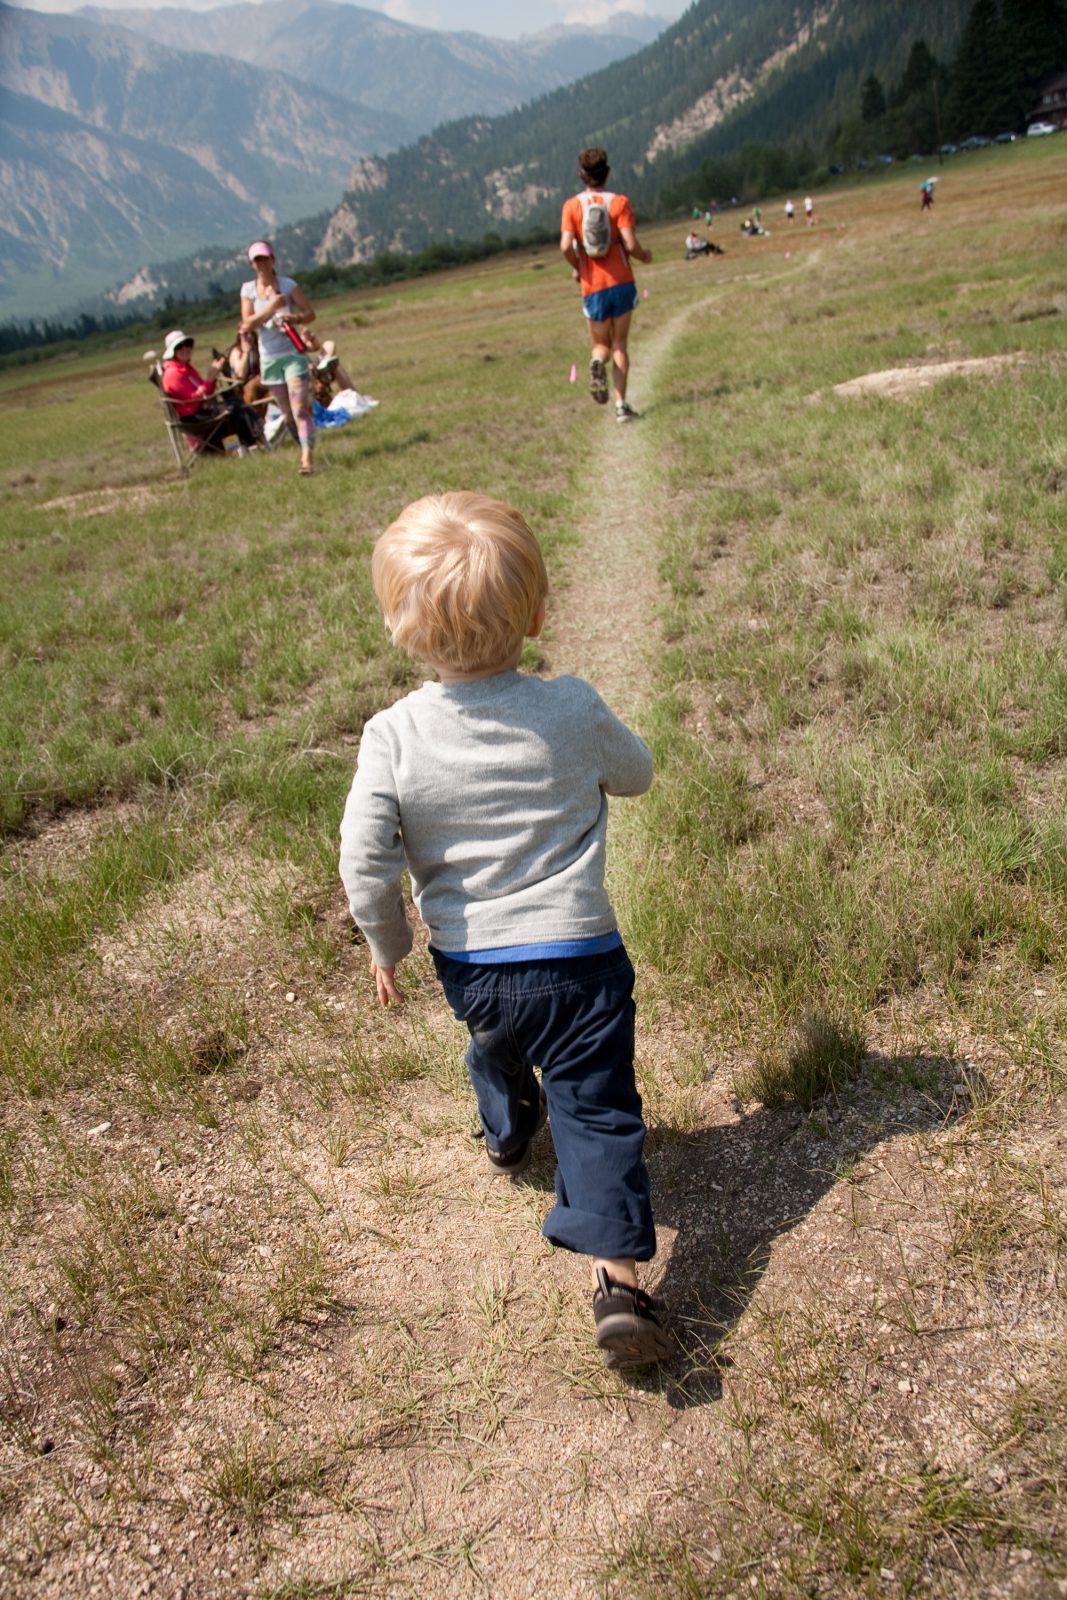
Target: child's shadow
x=731, y=1190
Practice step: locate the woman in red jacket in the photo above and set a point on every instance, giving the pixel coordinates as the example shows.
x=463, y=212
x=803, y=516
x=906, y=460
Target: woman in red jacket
x=189, y=394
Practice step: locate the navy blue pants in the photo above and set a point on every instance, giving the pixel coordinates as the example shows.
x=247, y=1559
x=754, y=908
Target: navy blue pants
x=574, y=1019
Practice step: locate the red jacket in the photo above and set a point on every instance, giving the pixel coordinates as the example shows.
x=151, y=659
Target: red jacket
x=184, y=385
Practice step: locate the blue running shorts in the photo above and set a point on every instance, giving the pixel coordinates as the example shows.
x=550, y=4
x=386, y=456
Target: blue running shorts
x=607, y=304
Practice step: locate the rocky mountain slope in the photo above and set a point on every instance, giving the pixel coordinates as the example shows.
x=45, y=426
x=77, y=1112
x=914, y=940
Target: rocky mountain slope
x=115, y=151
x=422, y=76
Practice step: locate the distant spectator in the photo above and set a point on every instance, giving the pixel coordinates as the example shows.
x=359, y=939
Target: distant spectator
x=244, y=367
x=790, y=210
x=809, y=211
x=327, y=373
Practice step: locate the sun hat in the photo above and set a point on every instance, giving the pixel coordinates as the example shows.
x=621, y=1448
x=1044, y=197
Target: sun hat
x=260, y=248
x=174, y=340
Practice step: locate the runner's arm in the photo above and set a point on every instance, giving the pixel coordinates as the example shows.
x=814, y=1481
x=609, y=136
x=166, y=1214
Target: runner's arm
x=633, y=247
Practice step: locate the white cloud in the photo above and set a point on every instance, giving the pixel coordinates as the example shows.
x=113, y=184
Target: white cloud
x=408, y=11
x=594, y=13
x=472, y=16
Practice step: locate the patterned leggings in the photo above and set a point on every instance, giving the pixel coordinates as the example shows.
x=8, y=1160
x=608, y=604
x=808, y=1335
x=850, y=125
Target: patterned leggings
x=293, y=399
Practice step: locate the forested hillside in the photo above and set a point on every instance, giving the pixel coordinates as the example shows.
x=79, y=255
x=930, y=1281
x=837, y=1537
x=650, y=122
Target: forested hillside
x=982, y=86
x=729, y=73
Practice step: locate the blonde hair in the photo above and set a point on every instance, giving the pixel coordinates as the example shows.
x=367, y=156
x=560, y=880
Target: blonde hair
x=459, y=578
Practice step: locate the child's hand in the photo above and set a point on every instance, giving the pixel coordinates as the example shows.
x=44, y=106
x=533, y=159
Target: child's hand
x=387, y=989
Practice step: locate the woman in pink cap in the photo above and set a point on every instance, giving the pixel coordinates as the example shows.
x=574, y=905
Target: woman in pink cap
x=270, y=305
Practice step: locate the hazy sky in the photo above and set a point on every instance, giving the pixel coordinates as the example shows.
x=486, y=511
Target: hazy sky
x=502, y=21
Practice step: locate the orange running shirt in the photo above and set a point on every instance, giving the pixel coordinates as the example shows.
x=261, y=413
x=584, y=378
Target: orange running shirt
x=605, y=271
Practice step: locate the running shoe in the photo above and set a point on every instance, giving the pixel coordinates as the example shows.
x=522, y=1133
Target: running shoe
x=598, y=381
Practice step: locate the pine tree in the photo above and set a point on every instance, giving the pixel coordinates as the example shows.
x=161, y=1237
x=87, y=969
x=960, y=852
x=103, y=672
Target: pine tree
x=1035, y=33
x=917, y=74
x=872, y=100
x=982, y=99
x=912, y=123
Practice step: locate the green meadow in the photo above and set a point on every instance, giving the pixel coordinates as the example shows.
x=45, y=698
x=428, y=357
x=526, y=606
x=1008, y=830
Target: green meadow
x=269, y=1325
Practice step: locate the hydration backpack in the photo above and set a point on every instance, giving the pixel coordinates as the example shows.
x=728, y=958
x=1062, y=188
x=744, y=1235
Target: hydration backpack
x=596, y=224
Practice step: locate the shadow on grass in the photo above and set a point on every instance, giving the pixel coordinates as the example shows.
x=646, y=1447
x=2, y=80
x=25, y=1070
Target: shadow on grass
x=731, y=1190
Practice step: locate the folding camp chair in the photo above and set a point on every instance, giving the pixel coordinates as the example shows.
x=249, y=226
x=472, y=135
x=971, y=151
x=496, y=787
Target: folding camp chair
x=181, y=429
x=184, y=458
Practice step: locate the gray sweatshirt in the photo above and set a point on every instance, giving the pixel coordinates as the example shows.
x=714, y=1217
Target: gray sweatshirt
x=493, y=794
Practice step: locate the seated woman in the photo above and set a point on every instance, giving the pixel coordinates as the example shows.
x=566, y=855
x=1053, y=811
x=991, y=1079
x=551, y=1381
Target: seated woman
x=244, y=366
x=207, y=419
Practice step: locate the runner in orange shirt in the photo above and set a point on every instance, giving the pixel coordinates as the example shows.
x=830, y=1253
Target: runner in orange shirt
x=597, y=237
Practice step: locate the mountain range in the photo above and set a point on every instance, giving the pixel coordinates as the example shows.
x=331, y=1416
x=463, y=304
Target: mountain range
x=418, y=75
x=123, y=145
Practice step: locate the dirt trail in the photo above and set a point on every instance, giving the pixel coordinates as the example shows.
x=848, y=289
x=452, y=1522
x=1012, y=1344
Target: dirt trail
x=603, y=620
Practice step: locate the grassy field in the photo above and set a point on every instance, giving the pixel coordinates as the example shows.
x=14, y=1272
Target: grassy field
x=270, y=1328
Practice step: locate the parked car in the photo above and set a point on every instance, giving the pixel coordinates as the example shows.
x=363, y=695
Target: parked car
x=1005, y=138
x=1037, y=130
x=975, y=142
x=887, y=161
x=949, y=149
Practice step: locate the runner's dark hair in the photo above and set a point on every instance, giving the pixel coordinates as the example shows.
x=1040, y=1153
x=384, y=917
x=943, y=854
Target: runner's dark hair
x=593, y=164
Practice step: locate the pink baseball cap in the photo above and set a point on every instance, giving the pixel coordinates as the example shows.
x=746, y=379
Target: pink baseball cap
x=260, y=248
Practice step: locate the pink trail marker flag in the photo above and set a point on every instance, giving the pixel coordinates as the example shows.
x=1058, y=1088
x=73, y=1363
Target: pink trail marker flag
x=574, y=373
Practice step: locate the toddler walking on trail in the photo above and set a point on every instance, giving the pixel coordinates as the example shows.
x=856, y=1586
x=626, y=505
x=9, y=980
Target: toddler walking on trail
x=491, y=787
